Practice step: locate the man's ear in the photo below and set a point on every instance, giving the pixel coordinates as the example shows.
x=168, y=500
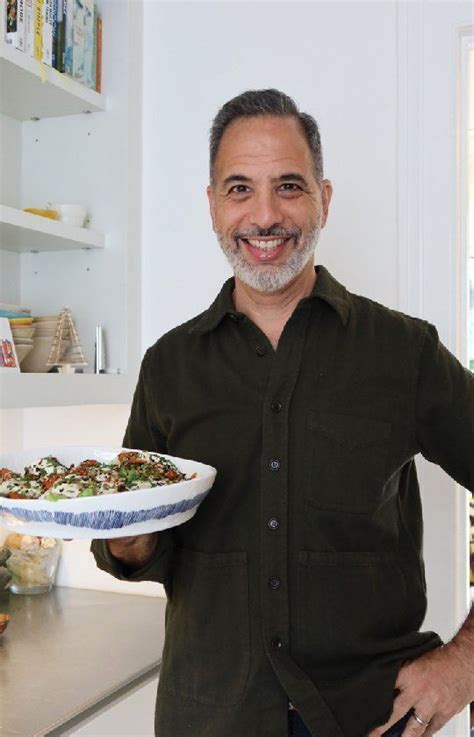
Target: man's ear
x=326, y=195
x=211, y=198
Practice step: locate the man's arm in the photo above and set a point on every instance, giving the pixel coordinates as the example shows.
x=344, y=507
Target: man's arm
x=141, y=557
x=440, y=683
x=444, y=410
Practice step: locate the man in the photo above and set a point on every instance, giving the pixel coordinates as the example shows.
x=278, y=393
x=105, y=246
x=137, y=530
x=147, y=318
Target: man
x=296, y=593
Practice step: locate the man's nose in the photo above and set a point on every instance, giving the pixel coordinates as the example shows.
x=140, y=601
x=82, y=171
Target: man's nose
x=265, y=210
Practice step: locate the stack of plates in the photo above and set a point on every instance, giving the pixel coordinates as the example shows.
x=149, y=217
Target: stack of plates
x=44, y=331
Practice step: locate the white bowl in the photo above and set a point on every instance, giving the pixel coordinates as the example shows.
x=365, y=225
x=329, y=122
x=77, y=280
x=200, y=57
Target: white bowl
x=23, y=332
x=22, y=351
x=71, y=214
x=134, y=512
x=35, y=361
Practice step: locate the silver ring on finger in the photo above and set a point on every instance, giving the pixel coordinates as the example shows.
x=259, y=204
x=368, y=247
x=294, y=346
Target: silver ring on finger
x=419, y=719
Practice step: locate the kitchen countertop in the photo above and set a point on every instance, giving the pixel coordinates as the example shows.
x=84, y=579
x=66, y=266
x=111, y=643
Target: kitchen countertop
x=68, y=649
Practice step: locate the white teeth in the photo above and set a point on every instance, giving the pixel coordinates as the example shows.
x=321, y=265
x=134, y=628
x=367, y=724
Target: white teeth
x=266, y=245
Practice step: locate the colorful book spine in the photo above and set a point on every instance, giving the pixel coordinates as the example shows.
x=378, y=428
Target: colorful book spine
x=48, y=32
x=11, y=22
x=78, y=41
x=59, y=45
x=94, y=49
x=88, y=41
x=20, y=25
x=98, y=79
x=54, y=36
x=30, y=27
x=68, y=29
x=39, y=29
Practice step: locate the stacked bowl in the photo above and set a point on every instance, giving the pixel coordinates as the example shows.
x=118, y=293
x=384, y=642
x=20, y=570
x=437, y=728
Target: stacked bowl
x=44, y=331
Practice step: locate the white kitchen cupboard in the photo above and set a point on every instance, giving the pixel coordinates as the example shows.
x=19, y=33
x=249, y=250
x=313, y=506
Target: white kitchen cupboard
x=61, y=142
x=131, y=714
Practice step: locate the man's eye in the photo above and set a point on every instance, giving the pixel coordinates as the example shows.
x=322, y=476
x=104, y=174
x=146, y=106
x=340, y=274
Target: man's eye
x=291, y=184
x=238, y=189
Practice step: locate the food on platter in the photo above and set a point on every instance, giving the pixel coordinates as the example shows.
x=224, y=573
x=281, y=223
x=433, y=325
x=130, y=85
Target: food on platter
x=52, y=480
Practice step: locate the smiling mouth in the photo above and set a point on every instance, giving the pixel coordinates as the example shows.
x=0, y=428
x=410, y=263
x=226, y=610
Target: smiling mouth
x=266, y=245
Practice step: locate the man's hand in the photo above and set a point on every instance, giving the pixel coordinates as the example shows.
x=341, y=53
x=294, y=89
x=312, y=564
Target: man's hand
x=438, y=684
x=134, y=550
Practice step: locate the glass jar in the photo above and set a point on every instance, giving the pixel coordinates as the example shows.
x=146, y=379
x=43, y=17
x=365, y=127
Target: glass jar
x=33, y=565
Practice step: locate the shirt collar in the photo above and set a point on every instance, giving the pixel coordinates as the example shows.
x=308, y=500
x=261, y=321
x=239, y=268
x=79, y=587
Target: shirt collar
x=326, y=288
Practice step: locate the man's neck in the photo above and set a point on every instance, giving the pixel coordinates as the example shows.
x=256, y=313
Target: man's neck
x=276, y=307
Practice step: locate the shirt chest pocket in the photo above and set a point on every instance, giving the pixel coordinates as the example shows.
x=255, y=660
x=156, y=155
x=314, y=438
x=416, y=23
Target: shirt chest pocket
x=345, y=461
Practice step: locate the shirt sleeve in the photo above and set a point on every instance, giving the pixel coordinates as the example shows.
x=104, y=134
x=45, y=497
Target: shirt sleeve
x=444, y=421
x=141, y=434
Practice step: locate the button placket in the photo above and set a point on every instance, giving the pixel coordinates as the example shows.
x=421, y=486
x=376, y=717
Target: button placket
x=274, y=480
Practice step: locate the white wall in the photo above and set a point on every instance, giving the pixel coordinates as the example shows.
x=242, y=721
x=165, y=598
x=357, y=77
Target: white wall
x=339, y=62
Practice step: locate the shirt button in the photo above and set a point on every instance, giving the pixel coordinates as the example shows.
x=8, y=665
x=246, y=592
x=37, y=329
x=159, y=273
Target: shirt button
x=274, y=582
x=273, y=523
x=276, y=643
x=260, y=350
x=276, y=406
x=275, y=464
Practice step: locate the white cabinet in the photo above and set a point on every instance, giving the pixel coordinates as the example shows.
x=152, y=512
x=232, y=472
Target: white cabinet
x=62, y=142
x=130, y=715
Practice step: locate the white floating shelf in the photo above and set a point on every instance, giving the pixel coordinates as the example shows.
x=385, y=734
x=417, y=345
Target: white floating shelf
x=22, y=231
x=19, y=390
x=31, y=89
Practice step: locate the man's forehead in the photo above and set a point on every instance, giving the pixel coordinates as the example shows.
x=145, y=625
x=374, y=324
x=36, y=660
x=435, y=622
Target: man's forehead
x=254, y=144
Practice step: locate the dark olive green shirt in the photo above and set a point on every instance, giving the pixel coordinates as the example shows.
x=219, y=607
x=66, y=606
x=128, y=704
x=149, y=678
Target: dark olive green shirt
x=301, y=575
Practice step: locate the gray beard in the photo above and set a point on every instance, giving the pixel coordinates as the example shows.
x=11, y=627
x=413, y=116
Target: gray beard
x=271, y=277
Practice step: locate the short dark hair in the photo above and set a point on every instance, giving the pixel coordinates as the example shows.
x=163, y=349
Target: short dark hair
x=253, y=103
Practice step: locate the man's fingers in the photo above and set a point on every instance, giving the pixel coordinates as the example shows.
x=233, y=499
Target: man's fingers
x=400, y=708
x=415, y=729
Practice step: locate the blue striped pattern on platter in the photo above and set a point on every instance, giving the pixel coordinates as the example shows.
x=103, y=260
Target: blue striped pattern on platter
x=105, y=519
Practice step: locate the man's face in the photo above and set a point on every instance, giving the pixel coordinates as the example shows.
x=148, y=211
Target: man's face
x=266, y=206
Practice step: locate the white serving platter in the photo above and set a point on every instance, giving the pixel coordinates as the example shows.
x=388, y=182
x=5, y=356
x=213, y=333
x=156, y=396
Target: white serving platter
x=134, y=512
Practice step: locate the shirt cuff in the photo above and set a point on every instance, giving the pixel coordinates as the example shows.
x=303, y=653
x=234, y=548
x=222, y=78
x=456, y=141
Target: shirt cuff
x=151, y=571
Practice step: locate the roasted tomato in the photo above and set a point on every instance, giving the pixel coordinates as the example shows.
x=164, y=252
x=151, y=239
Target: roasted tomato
x=130, y=457
x=6, y=474
x=50, y=480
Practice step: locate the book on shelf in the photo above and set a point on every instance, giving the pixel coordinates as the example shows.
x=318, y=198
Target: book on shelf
x=63, y=34
x=58, y=38
x=30, y=27
x=15, y=23
x=88, y=41
x=47, y=20
x=78, y=41
x=98, y=78
x=38, y=14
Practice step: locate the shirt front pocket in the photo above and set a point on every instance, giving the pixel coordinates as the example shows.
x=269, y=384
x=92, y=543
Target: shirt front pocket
x=345, y=460
x=354, y=605
x=206, y=655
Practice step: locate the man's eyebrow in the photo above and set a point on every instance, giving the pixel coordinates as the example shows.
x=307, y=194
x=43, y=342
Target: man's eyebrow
x=290, y=176
x=235, y=178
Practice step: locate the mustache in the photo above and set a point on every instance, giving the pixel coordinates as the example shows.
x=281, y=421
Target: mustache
x=268, y=232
